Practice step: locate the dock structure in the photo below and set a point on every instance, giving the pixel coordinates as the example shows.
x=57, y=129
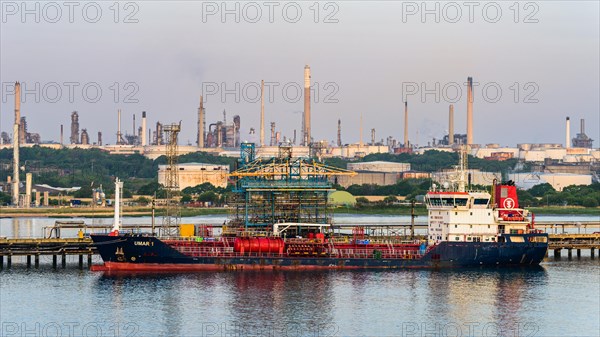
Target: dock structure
x=83, y=247
x=47, y=247
x=576, y=242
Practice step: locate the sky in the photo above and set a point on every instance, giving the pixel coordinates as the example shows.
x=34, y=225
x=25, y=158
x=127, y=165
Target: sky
x=533, y=64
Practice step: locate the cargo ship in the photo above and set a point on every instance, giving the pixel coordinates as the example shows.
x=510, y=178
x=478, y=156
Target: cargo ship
x=281, y=219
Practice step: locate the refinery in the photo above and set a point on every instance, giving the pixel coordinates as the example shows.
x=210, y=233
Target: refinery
x=574, y=162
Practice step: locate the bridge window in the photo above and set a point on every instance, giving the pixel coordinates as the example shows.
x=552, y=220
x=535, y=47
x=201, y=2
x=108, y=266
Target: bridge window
x=461, y=202
x=480, y=201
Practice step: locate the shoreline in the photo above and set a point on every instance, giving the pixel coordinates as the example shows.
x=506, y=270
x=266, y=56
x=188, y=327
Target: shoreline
x=7, y=213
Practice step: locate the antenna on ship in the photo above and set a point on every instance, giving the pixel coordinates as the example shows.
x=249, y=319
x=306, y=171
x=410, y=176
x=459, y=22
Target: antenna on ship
x=117, y=217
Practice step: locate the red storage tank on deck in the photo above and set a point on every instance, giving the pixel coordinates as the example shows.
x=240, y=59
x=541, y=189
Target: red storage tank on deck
x=258, y=245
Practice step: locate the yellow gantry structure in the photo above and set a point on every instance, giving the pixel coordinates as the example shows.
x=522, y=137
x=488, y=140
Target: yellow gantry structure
x=282, y=190
x=289, y=168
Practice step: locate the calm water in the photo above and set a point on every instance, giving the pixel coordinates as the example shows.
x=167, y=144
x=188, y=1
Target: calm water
x=561, y=298
x=34, y=227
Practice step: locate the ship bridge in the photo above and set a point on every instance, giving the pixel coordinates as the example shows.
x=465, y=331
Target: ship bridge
x=450, y=200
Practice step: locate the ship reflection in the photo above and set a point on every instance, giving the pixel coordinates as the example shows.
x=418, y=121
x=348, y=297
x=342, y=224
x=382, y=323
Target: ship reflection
x=498, y=298
x=324, y=303
x=281, y=304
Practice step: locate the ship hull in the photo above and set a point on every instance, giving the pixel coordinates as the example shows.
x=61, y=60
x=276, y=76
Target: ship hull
x=147, y=253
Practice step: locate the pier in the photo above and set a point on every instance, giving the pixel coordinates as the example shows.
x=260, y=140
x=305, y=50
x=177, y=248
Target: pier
x=55, y=247
x=33, y=248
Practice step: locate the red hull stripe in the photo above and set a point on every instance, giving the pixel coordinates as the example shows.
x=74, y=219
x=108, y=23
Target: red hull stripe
x=180, y=267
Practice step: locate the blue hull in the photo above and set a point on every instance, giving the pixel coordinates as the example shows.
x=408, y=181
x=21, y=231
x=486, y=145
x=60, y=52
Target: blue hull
x=129, y=252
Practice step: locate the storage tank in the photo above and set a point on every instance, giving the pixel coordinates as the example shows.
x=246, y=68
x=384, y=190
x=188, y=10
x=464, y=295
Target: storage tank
x=258, y=245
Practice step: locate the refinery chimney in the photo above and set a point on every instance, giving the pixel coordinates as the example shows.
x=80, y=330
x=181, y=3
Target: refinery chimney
x=339, y=134
x=306, y=120
x=15, y=187
x=568, y=133
x=144, y=128
x=469, y=110
x=262, y=113
x=61, y=134
x=119, y=127
x=201, y=124
x=28, y=184
x=406, y=124
x=451, y=125
x=582, y=126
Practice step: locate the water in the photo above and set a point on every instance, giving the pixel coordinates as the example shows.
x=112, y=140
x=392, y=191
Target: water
x=560, y=298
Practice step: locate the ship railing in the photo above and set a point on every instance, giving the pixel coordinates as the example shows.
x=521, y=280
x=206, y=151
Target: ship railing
x=199, y=251
x=377, y=253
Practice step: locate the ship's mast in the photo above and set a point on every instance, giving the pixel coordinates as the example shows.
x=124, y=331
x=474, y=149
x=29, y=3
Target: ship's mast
x=117, y=217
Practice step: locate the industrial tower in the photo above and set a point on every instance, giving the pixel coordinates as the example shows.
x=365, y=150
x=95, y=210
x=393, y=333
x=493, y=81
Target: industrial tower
x=170, y=225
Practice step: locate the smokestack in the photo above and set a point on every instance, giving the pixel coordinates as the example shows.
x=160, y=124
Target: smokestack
x=61, y=134
x=18, y=118
x=200, y=135
x=582, y=126
x=339, y=135
x=17, y=102
x=28, y=183
x=133, y=133
x=406, y=124
x=119, y=127
x=15, y=189
x=372, y=136
x=469, y=110
x=262, y=113
x=273, y=140
x=306, y=121
x=74, y=128
x=99, y=138
x=451, y=125
x=568, y=133
x=144, y=139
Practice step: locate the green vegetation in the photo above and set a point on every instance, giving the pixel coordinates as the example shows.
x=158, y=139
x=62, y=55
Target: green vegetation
x=90, y=168
x=430, y=161
x=408, y=188
x=574, y=195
